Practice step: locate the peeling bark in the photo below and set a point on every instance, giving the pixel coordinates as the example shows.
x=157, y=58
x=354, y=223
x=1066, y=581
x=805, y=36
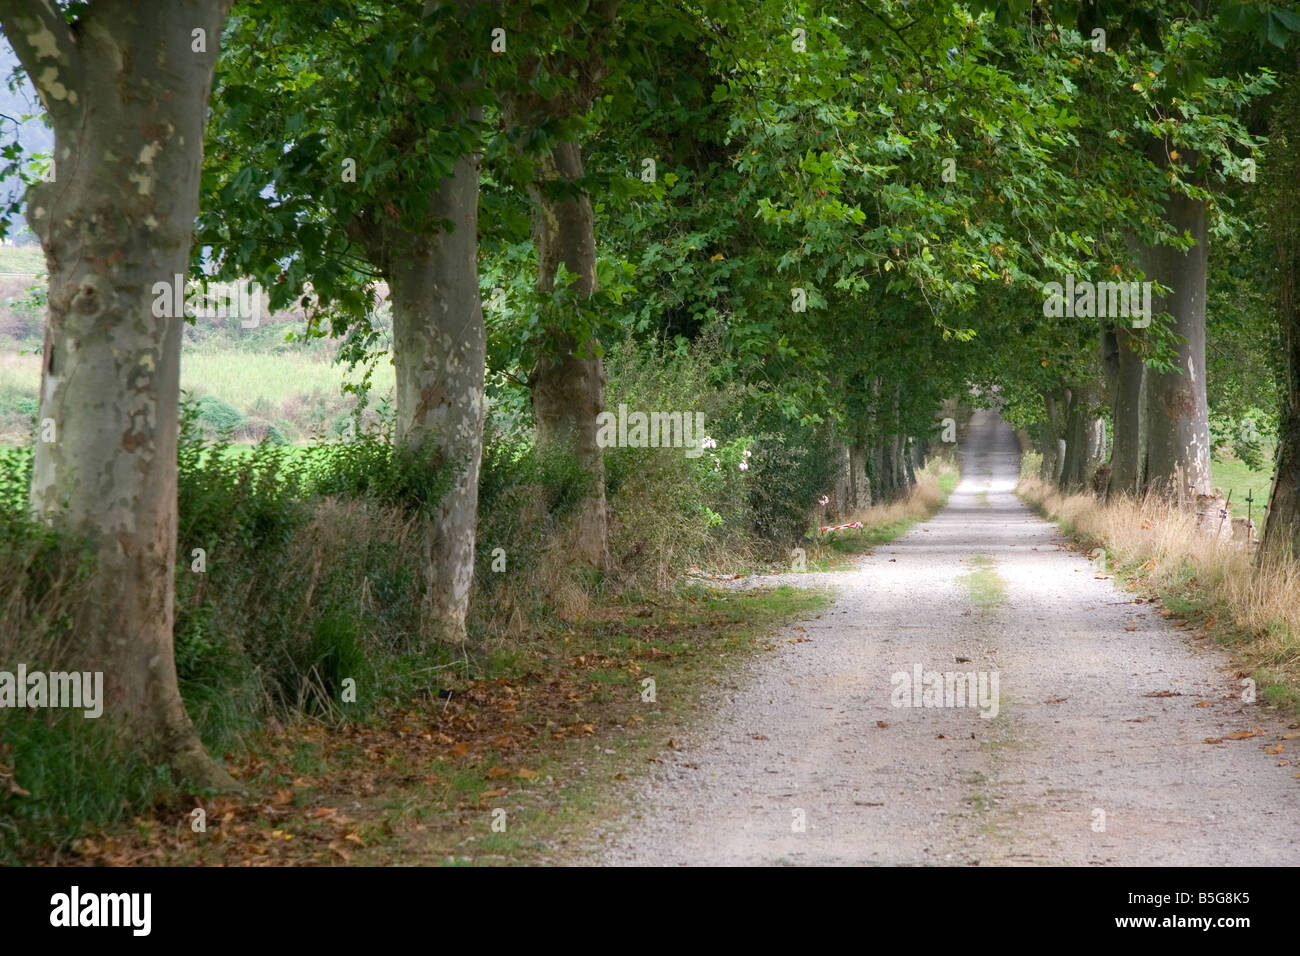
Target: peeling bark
x=1177, y=440
x=128, y=98
x=439, y=352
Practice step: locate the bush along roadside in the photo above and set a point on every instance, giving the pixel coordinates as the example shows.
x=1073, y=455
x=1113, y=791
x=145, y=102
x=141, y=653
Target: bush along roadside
x=517, y=751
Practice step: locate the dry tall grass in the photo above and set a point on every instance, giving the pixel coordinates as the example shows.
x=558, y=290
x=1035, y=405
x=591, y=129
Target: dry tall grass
x=1255, y=608
x=921, y=501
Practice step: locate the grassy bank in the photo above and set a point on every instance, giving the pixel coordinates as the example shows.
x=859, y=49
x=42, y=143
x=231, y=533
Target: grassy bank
x=539, y=736
x=884, y=522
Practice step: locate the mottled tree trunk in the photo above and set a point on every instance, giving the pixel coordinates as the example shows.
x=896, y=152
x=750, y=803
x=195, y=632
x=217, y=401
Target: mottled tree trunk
x=859, y=484
x=1177, y=440
x=127, y=91
x=884, y=489
x=568, y=381
x=1125, y=370
x=1282, y=526
x=1053, y=438
x=439, y=350
x=1084, y=438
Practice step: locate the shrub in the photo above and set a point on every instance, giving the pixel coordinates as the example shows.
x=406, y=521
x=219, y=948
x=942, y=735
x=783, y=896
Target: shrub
x=218, y=415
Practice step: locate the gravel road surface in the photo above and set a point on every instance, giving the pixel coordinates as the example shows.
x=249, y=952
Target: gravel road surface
x=1092, y=752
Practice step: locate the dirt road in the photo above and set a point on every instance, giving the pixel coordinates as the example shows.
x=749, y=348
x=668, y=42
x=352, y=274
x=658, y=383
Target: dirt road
x=1084, y=757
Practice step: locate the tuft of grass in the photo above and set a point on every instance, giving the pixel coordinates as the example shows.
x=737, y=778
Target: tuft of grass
x=983, y=584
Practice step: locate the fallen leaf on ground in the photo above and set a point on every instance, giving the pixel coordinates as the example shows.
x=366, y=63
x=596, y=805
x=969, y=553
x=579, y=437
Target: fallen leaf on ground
x=1244, y=734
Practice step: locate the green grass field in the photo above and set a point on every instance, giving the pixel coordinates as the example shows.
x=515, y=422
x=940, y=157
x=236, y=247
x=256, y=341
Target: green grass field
x=1238, y=478
x=25, y=259
x=299, y=392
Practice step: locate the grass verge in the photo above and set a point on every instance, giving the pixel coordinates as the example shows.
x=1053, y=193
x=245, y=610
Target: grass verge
x=536, y=737
x=885, y=522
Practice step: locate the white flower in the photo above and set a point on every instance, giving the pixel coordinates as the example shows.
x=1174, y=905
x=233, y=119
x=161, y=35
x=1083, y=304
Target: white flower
x=708, y=443
x=824, y=500
x=744, y=466
x=746, y=452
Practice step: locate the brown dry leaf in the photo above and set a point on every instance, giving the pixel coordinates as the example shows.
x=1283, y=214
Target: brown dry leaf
x=1214, y=740
x=1132, y=625
x=322, y=812
x=882, y=724
x=1202, y=703
x=524, y=773
x=499, y=792
x=1056, y=700
x=282, y=797
x=757, y=737
x=498, y=772
x=460, y=750
x=1245, y=734
x=342, y=851
x=1273, y=750
x=1290, y=736
x=1163, y=693
x=355, y=837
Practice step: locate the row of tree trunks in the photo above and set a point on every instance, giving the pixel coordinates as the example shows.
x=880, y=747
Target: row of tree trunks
x=1085, y=438
x=1162, y=434
x=1053, y=437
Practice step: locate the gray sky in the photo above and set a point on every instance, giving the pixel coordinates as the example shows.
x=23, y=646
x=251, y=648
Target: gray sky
x=34, y=135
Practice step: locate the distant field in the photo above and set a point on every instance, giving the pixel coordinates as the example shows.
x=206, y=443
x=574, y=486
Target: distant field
x=25, y=259
x=1236, y=477
x=298, y=393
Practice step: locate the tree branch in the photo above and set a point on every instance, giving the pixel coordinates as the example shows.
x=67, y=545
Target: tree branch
x=44, y=44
